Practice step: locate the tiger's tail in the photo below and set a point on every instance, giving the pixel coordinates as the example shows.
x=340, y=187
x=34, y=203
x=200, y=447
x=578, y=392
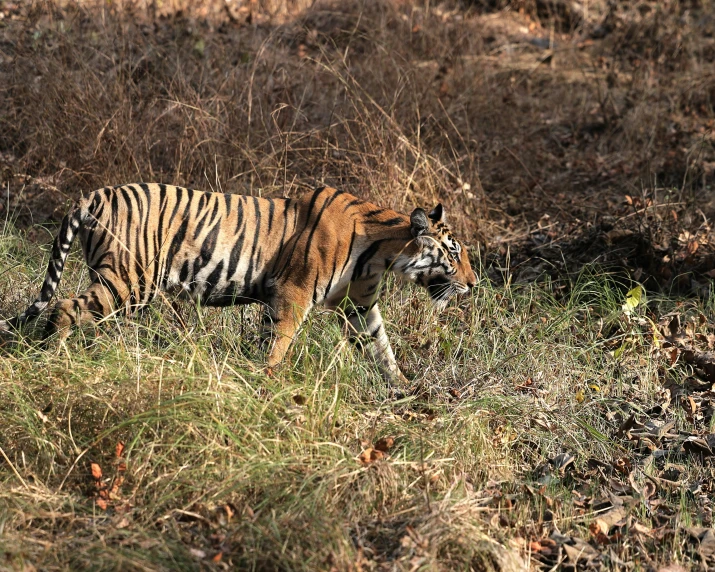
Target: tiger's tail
x=60, y=249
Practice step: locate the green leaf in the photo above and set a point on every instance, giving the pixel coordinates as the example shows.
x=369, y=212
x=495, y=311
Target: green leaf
x=619, y=352
x=633, y=299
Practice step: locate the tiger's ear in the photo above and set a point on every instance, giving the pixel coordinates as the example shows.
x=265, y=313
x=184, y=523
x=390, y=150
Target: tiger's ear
x=437, y=214
x=418, y=222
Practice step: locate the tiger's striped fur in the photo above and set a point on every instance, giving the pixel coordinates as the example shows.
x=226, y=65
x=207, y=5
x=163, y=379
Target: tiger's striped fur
x=327, y=247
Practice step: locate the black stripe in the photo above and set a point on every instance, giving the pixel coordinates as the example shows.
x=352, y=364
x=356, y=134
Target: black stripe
x=332, y=275
x=213, y=279
x=286, y=204
x=350, y=248
x=235, y=255
x=159, y=237
x=312, y=230
x=208, y=246
x=353, y=203
x=396, y=221
x=145, y=231
x=248, y=281
x=202, y=218
x=271, y=209
x=176, y=244
x=363, y=259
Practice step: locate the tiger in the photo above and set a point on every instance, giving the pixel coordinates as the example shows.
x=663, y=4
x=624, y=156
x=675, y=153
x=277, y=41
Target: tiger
x=326, y=247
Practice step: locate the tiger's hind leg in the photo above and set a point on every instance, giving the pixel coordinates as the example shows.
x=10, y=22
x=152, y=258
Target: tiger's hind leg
x=281, y=322
x=97, y=302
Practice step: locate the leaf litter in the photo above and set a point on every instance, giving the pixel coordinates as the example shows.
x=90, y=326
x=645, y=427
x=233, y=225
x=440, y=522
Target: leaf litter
x=631, y=504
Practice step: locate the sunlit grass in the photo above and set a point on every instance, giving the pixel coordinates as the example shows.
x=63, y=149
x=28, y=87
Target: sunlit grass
x=263, y=470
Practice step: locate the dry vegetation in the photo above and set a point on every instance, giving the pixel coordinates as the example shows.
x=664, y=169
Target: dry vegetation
x=560, y=418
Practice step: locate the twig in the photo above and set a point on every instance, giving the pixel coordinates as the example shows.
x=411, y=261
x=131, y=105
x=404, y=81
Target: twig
x=14, y=470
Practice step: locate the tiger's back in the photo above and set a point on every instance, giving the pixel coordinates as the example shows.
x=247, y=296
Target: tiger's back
x=144, y=238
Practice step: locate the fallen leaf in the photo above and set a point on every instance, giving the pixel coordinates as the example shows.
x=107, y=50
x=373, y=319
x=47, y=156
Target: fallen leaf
x=672, y=568
x=580, y=396
x=580, y=551
x=599, y=530
x=370, y=455
x=693, y=405
x=562, y=461
x=649, y=489
x=623, y=465
x=101, y=503
x=96, y=471
x=119, y=449
x=385, y=444
x=707, y=544
x=229, y=512
x=672, y=355
x=641, y=529
x=535, y=546
x=697, y=446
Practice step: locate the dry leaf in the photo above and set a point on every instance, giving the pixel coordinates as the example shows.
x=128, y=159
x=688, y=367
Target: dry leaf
x=385, y=444
x=672, y=568
x=229, y=512
x=623, y=465
x=562, y=461
x=641, y=529
x=697, y=446
x=96, y=471
x=101, y=503
x=599, y=529
x=535, y=546
x=672, y=355
x=693, y=405
x=370, y=455
x=649, y=489
x=119, y=449
x=707, y=544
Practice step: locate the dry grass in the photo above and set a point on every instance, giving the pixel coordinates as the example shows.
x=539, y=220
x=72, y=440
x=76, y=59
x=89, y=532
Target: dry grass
x=223, y=460
x=505, y=111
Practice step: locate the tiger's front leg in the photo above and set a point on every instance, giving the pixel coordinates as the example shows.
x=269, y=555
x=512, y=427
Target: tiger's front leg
x=366, y=332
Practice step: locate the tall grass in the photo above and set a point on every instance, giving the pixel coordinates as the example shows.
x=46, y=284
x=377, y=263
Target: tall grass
x=264, y=471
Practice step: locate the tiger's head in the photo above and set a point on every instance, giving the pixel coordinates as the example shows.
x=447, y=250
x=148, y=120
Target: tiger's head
x=438, y=262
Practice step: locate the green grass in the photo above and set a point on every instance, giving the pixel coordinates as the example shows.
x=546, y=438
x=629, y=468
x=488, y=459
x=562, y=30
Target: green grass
x=263, y=472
